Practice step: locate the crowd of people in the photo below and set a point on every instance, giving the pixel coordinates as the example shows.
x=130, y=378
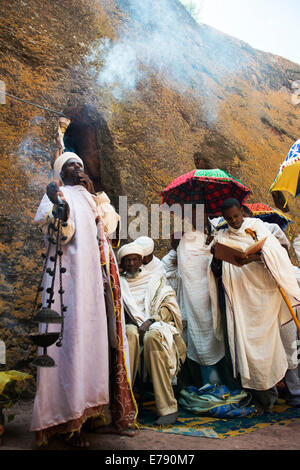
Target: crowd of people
x=187, y=319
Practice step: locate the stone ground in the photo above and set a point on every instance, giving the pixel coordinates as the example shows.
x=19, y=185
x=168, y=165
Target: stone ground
x=274, y=437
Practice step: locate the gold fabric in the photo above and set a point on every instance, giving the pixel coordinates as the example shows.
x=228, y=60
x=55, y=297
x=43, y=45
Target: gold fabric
x=156, y=363
x=9, y=376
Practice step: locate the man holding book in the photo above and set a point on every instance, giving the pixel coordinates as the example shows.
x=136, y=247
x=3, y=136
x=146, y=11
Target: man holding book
x=246, y=287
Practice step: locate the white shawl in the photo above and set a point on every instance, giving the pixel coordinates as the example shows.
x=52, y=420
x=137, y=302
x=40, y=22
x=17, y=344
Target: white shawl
x=143, y=296
x=170, y=264
x=155, y=267
x=278, y=233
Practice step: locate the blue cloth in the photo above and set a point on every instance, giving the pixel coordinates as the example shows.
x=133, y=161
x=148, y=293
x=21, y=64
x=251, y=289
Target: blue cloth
x=216, y=401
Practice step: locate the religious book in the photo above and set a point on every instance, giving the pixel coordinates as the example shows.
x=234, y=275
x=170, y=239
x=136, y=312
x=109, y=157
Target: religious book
x=229, y=250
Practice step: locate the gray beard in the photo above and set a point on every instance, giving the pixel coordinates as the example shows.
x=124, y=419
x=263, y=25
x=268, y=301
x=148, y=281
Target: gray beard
x=132, y=275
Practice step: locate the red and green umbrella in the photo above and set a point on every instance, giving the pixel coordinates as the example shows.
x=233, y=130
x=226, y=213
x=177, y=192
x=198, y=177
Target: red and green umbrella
x=208, y=187
x=266, y=214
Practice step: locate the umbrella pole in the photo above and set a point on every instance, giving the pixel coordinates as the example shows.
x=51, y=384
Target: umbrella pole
x=285, y=298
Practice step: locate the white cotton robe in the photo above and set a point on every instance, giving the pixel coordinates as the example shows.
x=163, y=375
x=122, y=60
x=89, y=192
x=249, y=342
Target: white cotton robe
x=254, y=307
x=80, y=380
x=278, y=233
x=194, y=300
x=170, y=264
x=155, y=267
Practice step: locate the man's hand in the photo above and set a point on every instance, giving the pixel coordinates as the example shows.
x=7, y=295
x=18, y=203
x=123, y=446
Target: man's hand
x=209, y=239
x=85, y=181
x=249, y=259
x=145, y=327
x=53, y=192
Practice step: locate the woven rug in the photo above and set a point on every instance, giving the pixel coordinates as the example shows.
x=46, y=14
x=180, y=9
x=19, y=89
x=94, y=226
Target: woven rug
x=189, y=424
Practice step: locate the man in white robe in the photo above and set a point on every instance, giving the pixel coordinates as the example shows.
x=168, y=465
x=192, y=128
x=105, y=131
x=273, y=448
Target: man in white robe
x=288, y=332
x=150, y=262
x=204, y=350
x=78, y=387
x=155, y=318
x=254, y=306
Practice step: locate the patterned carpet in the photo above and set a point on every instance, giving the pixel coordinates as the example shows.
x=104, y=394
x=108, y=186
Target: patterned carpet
x=192, y=425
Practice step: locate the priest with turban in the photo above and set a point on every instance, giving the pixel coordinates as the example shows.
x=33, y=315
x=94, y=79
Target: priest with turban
x=153, y=328
x=94, y=345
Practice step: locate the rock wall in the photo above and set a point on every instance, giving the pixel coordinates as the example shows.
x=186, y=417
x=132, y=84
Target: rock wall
x=240, y=117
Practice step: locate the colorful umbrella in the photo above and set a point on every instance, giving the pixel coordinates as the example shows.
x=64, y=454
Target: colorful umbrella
x=288, y=176
x=266, y=214
x=209, y=187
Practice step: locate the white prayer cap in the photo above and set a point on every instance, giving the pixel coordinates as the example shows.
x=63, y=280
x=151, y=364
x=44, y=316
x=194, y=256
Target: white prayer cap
x=147, y=244
x=129, y=249
x=60, y=161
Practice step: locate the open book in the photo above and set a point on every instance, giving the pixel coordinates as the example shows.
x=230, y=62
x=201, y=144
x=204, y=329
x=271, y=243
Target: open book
x=230, y=250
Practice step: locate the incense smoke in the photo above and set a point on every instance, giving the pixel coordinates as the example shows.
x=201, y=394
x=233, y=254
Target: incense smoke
x=34, y=156
x=161, y=37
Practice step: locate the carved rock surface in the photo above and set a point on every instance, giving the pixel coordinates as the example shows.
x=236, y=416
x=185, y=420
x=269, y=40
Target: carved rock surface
x=241, y=117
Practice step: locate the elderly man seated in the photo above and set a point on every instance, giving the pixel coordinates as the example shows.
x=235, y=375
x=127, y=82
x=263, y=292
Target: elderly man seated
x=153, y=327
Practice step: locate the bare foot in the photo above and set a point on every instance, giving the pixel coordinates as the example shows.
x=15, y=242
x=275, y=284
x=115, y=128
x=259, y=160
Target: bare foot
x=78, y=441
x=111, y=429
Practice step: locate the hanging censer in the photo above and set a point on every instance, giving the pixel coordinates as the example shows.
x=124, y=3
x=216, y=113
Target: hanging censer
x=46, y=314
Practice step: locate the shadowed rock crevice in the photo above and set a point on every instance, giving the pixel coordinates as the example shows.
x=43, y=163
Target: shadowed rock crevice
x=89, y=137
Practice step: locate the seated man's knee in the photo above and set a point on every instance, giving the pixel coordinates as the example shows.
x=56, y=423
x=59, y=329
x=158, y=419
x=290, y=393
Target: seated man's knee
x=152, y=340
x=132, y=332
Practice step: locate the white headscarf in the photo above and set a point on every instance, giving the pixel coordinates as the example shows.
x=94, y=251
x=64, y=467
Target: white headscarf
x=129, y=249
x=147, y=244
x=60, y=161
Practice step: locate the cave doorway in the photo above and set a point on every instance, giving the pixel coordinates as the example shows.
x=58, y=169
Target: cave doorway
x=89, y=137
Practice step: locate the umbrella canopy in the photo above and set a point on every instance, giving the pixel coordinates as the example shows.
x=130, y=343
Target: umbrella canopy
x=288, y=176
x=266, y=214
x=208, y=187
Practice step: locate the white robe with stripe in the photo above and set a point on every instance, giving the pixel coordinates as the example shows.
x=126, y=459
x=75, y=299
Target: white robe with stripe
x=254, y=307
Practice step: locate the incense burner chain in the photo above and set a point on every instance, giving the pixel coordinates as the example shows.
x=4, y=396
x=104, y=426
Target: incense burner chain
x=45, y=314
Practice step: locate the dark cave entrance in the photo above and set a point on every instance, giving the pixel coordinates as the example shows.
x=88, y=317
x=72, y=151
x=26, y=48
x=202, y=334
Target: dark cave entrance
x=89, y=137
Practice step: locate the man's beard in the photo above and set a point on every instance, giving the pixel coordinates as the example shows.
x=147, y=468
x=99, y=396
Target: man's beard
x=132, y=275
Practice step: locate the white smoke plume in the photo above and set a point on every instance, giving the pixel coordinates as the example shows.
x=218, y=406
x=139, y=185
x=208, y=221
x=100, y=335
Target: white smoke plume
x=160, y=36
x=33, y=155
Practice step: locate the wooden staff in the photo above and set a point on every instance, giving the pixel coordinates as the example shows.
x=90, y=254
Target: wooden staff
x=63, y=124
x=284, y=296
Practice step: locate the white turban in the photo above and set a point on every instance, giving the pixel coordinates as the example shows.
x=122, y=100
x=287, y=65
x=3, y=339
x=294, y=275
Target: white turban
x=60, y=161
x=147, y=244
x=129, y=249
